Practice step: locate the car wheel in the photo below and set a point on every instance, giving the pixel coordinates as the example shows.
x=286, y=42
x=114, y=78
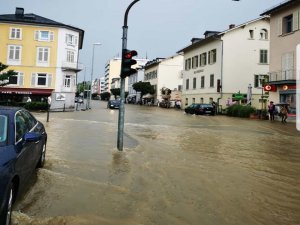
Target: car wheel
x=42, y=157
x=5, y=217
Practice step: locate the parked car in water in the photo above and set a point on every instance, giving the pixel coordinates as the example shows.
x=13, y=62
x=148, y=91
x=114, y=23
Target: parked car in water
x=200, y=109
x=22, y=149
x=113, y=104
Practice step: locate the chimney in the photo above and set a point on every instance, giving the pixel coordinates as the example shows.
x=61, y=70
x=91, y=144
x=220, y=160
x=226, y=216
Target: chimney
x=19, y=12
x=231, y=26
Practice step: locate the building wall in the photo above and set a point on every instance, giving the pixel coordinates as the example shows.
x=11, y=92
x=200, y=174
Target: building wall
x=169, y=74
x=283, y=43
x=28, y=63
x=241, y=59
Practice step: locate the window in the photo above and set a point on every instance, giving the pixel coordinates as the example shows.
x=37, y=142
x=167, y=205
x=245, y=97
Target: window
x=260, y=80
x=212, y=80
x=201, y=100
x=203, y=59
x=187, y=84
x=67, y=81
x=43, y=54
x=263, y=34
x=71, y=39
x=194, y=82
x=212, y=56
x=14, y=52
x=15, y=33
x=186, y=101
x=263, y=56
x=70, y=56
x=202, y=81
x=44, y=35
x=3, y=128
x=16, y=79
x=193, y=100
x=41, y=79
x=251, y=34
x=188, y=64
x=287, y=25
x=195, y=62
x=179, y=87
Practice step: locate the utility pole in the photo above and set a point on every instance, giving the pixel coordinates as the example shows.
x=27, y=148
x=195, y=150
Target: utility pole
x=122, y=88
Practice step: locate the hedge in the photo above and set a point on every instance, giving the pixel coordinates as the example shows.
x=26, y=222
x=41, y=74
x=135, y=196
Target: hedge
x=240, y=111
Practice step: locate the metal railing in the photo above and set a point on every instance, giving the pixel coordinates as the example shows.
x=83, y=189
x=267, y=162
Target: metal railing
x=282, y=75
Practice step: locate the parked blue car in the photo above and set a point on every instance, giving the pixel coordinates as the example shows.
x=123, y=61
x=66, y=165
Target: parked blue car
x=22, y=149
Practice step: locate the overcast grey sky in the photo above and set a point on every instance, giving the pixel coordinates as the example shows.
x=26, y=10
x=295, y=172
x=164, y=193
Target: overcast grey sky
x=157, y=28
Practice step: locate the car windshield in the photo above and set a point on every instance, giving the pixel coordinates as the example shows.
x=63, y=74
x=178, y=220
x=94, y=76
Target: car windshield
x=3, y=129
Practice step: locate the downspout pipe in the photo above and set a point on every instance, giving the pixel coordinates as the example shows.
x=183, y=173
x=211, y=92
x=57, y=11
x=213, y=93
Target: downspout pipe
x=221, y=89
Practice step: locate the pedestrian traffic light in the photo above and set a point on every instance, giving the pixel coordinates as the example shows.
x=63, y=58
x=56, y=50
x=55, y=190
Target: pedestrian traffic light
x=127, y=62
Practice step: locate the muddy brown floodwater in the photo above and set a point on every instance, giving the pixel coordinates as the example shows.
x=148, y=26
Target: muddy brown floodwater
x=175, y=169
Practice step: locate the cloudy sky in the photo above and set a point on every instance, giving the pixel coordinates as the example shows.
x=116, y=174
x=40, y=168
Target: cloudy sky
x=157, y=28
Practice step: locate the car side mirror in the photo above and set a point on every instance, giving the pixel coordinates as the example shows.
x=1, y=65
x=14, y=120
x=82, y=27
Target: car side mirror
x=32, y=137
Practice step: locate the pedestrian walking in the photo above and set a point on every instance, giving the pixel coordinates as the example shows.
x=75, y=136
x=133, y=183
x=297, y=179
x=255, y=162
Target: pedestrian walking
x=283, y=113
x=271, y=110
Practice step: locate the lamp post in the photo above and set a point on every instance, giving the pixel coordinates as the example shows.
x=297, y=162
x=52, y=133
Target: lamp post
x=92, y=71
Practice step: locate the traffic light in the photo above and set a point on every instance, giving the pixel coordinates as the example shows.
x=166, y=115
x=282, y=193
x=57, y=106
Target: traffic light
x=127, y=62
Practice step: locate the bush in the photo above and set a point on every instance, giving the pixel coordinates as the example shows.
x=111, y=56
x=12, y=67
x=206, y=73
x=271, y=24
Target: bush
x=36, y=106
x=240, y=111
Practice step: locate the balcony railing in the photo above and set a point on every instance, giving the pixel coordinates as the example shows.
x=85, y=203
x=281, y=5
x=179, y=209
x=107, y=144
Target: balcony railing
x=282, y=75
x=73, y=66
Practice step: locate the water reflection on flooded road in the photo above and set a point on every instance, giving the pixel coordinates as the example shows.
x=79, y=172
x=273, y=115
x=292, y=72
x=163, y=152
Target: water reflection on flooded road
x=175, y=169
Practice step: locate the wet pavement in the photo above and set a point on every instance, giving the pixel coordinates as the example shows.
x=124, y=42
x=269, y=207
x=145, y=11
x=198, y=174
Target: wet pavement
x=175, y=169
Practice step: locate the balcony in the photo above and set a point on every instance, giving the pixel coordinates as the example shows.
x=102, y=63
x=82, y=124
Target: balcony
x=283, y=76
x=71, y=66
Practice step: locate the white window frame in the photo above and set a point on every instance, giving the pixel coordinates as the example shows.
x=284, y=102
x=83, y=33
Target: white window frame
x=71, y=39
x=43, y=56
x=36, y=76
x=14, y=54
x=15, y=33
x=212, y=56
x=67, y=81
x=20, y=79
x=39, y=35
x=70, y=56
x=263, y=34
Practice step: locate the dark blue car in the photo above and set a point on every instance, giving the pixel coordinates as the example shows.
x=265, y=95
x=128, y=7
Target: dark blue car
x=22, y=149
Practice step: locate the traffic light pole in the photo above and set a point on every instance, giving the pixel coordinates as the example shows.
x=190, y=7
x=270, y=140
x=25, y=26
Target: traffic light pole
x=122, y=88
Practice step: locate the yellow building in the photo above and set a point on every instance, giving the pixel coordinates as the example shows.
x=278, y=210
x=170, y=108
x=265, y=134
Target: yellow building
x=44, y=53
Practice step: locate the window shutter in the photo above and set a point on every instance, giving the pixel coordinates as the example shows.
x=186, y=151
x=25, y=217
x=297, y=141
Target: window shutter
x=21, y=79
x=51, y=35
x=49, y=80
x=279, y=28
x=33, y=79
x=36, y=35
x=295, y=20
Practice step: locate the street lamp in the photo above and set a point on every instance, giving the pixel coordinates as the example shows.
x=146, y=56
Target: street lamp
x=92, y=71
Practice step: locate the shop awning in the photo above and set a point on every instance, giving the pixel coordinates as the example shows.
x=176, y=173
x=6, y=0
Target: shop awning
x=25, y=91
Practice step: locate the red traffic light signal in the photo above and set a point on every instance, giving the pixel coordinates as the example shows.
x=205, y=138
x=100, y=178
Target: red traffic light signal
x=127, y=62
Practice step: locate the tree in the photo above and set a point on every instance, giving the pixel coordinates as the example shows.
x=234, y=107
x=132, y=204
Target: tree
x=4, y=77
x=105, y=96
x=143, y=87
x=115, y=92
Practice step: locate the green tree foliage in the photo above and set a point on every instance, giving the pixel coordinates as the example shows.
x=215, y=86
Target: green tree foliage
x=4, y=76
x=143, y=87
x=115, y=92
x=105, y=96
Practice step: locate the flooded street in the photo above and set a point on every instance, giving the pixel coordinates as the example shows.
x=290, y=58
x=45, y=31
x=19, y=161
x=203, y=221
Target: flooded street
x=175, y=169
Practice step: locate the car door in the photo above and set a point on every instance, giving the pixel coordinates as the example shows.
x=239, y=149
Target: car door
x=24, y=161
